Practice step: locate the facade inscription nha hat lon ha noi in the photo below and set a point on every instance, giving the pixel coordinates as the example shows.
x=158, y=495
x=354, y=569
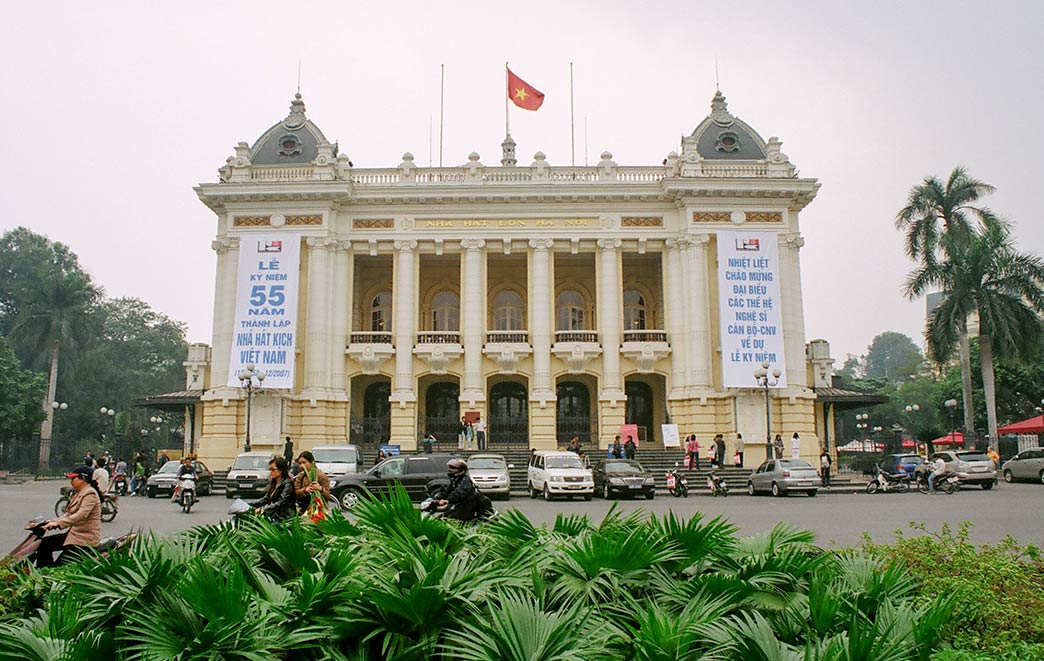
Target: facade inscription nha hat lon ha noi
x=387, y=303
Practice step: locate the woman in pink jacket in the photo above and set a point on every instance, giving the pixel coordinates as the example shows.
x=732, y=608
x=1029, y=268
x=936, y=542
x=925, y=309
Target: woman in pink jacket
x=82, y=518
x=692, y=448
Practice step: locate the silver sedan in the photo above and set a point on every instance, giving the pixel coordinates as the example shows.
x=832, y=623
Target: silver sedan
x=781, y=476
x=1026, y=465
x=489, y=472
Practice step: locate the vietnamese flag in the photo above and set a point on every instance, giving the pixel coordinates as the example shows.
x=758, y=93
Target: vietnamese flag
x=522, y=94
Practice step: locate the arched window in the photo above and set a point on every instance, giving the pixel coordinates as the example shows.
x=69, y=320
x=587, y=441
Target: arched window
x=445, y=312
x=634, y=310
x=569, y=311
x=508, y=313
x=380, y=313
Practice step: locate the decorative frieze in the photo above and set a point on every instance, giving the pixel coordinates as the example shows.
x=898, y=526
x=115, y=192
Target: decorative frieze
x=304, y=220
x=641, y=221
x=711, y=216
x=251, y=221
x=373, y=223
x=764, y=217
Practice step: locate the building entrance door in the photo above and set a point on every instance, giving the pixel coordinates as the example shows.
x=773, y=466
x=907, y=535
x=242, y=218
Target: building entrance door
x=508, y=416
x=639, y=410
x=442, y=413
x=374, y=428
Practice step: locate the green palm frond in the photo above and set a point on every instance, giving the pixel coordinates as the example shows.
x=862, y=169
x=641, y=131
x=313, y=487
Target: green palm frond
x=571, y=525
x=782, y=536
x=700, y=542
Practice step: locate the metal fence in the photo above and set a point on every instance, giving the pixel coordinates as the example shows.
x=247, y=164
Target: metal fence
x=369, y=432
x=508, y=433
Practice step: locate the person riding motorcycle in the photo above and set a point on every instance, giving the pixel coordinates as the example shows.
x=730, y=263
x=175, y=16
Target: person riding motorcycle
x=279, y=502
x=82, y=518
x=186, y=469
x=462, y=497
x=938, y=468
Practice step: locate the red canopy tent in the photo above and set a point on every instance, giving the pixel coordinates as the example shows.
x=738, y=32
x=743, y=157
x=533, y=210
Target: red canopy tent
x=1033, y=425
x=956, y=438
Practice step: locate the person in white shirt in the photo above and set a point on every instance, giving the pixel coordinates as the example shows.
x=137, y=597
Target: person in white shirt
x=938, y=468
x=101, y=476
x=795, y=447
x=739, y=449
x=480, y=433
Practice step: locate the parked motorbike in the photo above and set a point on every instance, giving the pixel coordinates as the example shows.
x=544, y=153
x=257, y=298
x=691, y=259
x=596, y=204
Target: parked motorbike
x=109, y=504
x=677, y=484
x=185, y=493
x=946, y=482
x=884, y=481
x=32, y=542
x=717, y=486
x=430, y=507
x=238, y=510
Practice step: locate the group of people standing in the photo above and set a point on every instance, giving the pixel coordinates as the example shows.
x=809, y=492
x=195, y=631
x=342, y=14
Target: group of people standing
x=471, y=433
x=715, y=452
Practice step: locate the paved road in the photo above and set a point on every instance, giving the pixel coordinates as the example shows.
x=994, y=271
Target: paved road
x=837, y=519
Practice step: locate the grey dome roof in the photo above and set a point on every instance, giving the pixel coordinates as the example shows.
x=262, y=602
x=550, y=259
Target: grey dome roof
x=293, y=141
x=721, y=136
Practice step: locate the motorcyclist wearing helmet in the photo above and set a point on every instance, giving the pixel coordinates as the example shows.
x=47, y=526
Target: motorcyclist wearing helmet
x=463, y=496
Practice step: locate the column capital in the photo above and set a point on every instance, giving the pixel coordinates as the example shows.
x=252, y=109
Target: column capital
x=342, y=246
x=680, y=242
x=321, y=243
x=699, y=239
x=610, y=244
x=792, y=240
x=472, y=245
x=406, y=245
x=541, y=245
x=223, y=244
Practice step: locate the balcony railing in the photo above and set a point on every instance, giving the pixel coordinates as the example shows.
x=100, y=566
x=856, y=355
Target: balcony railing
x=576, y=336
x=371, y=337
x=507, y=337
x=438, y=337
x=644, y=336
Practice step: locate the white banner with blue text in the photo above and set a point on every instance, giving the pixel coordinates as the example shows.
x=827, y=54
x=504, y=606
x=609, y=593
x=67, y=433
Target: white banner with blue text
x=749, y=307
x=266, y=308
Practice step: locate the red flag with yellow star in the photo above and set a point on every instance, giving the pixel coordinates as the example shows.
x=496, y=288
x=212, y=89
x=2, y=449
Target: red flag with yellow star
x=522, y=94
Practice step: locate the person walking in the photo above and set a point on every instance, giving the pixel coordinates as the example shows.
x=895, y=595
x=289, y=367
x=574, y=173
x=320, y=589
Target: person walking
x=825, y=462
x=795, y=446
x=630, y=449
x=288, y=451
x=429, y=443
x=480, y=433
x=469, y=434
x=777, y=446
x=692, y=450
x=739, y=449
x=719, y=450
x=460, y=433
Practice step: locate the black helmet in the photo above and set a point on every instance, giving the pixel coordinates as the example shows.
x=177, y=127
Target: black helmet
x=455, y=466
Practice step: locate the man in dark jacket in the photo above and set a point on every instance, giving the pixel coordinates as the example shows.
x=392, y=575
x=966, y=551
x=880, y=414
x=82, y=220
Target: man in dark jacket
x=462, y=496
x=630, y=449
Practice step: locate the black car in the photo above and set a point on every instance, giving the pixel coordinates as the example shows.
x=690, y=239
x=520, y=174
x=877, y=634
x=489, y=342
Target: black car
x=623, y=477
x=417, y=474
x=163, y=480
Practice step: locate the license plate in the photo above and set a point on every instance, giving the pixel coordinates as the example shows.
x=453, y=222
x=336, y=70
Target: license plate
x=805, y=483
x=635, y=486
x=979, y=469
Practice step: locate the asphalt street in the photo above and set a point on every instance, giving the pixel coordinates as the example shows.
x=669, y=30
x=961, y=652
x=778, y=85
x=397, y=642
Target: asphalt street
x=837, y=519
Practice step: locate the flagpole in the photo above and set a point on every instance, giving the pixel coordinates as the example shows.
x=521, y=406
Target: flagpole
x=507, y=120
x=572, y=125
x=442, y=99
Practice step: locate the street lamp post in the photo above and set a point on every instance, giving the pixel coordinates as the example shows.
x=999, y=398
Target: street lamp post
x=862, y=425
x=951, y=404
x=910, y=410
x=761, y=377
x=246, y=378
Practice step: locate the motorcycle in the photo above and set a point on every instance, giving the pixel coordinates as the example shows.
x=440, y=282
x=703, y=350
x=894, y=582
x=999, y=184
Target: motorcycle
x=185, y=493
x=237, y=510
x=430, y=507
x=120, y=484
x=717, y=486
x=109, y=504
x=677, y=484
x=947, y=482
x=884, y=482
x=32, y=542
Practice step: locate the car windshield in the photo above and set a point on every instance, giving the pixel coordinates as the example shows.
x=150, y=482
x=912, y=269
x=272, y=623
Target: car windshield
x=170, y=467
x=909, y=459
x=793, y=463
x=246, y=463
x=571, y=461
x=622, y=467
x=972, y=456
x=486, y=463
x=336, y=455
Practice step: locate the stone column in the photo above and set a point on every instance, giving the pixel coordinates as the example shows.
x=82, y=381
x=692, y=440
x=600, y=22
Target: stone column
x=793, y=308
x=698, y=307
x=317, y=340
x=677, y=316
x=405, y=321
x=540, y=326
x=227, y=249
x=473, y=312
x=610, y=315
x=342, y=304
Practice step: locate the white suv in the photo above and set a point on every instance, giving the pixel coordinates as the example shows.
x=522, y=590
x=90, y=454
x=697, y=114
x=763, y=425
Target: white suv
x=557, y=473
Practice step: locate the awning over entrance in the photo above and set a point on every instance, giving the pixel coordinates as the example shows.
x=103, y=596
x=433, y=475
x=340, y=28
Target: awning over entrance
x=842, y=398
x=1034, y=425
x=177, y=398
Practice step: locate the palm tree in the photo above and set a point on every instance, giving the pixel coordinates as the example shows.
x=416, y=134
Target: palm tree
x=52, y=318
x=935, y=210
x=985, y=275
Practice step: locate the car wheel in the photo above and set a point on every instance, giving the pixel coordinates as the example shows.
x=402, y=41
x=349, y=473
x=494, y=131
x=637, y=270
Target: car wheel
x=1009, y=478
x=349, y=499
x=650, y=495
x=533, y=493
x=750, y=488
x=151, y=493
x=587, y=496
x=230, y=496
x=547, y=494
x=986, y=486
x=1041, y=476
x=206, y=490
x=605, y=491
x=776, y=491
x=812, y=493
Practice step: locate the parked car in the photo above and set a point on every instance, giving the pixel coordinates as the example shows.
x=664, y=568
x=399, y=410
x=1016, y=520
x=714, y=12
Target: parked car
x=490, y=474
x=901, y=464
x=558, y=473
x=248, y=476
x=623, y=477
x=972, y=467
x=337, y=461
x=1026, y=465
x=163, y=480
x=781, y=476
x=417, y=474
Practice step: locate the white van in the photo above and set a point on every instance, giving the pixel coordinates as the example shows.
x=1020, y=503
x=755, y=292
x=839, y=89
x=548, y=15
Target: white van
x=337, y=461
x=557, y=473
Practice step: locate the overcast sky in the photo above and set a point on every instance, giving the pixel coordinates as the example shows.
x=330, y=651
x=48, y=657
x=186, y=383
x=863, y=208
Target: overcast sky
x=115, y=110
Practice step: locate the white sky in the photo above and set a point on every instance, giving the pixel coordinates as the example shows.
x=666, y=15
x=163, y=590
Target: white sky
x=114, y=110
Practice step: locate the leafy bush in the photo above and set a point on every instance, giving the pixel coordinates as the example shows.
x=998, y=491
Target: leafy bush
x=999, y=588
x=393, y=584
